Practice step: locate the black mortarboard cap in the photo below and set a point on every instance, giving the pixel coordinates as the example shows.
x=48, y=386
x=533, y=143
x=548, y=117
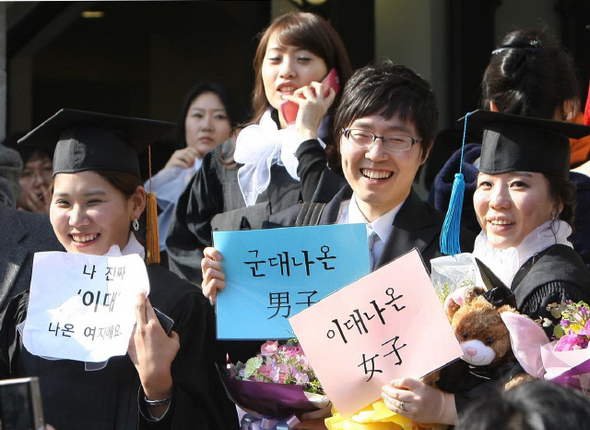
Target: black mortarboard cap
x=520, y=143
x=95, y=141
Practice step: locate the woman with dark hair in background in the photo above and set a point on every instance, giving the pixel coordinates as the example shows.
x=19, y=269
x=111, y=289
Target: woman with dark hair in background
x=207, y=118
x=242, y=182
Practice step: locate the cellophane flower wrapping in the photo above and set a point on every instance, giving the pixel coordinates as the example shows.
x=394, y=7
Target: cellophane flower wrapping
x=451, y=272
x=566, y=359
x=277, y=383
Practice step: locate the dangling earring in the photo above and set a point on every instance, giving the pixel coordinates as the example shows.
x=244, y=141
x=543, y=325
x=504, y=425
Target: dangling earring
x=553, y=215
x=135, y=224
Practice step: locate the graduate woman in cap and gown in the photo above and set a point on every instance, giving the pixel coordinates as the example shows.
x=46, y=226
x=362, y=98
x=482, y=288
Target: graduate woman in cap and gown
x=524, y=203
x=164, y=381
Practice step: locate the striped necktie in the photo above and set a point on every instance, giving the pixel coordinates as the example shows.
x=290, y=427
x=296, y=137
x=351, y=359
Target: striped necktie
x=372, y=238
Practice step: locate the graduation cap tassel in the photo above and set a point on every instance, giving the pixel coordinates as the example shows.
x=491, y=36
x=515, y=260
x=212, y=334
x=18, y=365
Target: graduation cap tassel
x=449, y=236
x=153, y=242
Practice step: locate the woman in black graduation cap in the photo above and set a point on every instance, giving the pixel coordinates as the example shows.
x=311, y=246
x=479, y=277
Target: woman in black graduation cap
x=165, y=381
x=530, y=73
x=525, y=204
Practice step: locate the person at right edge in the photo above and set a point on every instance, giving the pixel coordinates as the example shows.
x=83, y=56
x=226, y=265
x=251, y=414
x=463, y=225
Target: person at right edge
x=529, y=74
x=524, y=203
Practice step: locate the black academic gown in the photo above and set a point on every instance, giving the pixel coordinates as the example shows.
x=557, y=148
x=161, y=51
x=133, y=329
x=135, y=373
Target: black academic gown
x=555, y=275
x=214, y=190
x=75, y=399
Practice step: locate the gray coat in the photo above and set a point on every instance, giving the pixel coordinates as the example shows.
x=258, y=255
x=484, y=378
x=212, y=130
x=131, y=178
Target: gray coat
x=21, y=235
x=10, y=169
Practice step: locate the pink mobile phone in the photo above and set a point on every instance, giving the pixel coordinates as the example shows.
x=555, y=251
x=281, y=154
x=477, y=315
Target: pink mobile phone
x=290, y=109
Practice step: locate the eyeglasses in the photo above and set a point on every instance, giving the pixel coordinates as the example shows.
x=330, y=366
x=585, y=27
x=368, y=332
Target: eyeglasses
x=392, y=142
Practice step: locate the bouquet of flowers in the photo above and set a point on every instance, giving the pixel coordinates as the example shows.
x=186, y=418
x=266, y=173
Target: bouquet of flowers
x=567, y=359
x=277, y=387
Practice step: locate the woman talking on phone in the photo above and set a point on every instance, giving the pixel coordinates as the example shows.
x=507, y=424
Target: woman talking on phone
x=243, y=181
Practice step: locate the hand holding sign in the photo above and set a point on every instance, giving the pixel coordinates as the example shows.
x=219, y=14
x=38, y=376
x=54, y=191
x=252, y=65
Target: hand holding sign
x=272, y=274
x=213, y=276
x=82, y=307
x=389, y=324
x=420, y=402
x=152, y=351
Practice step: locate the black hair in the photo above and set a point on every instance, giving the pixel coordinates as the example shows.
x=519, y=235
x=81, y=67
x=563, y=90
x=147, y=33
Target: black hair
x=386, y=90
x=308, y=31
x=127, y=184
x=196, y=91
x=531, y=74
x=533, y=405
x=563, y=191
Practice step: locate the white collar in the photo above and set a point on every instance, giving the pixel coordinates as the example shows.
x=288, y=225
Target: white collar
x=133, y=247
x=506, y=262
x=261, y=145
x=381, y=226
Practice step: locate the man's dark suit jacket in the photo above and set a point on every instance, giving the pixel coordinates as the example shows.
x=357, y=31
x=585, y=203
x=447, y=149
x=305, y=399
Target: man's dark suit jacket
x=417, y=225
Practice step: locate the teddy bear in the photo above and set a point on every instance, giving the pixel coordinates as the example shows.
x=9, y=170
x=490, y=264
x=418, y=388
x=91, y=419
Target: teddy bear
x=498, y=344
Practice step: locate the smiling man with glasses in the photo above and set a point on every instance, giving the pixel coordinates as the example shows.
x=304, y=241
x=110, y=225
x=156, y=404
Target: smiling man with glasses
x=385, y=126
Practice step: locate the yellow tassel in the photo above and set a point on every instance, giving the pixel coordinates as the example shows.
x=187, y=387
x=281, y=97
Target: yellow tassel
x=153, y=242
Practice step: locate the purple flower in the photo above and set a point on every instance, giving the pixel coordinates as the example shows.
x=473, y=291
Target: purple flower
x=569, y=342
x=266, y=370
x=300, y=377
x=281, y=372
x=585, y=331
x=284, y=364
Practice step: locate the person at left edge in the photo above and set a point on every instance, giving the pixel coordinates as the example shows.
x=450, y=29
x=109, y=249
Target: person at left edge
x=11, y=166
x=97, y=201
x=22, y=233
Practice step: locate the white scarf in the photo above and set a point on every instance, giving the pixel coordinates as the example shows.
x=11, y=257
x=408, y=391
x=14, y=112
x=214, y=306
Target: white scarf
x=261, y=145
x=506, y=262
x=133, y=247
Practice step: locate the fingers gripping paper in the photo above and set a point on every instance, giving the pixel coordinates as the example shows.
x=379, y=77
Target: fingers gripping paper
x=389, y=324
